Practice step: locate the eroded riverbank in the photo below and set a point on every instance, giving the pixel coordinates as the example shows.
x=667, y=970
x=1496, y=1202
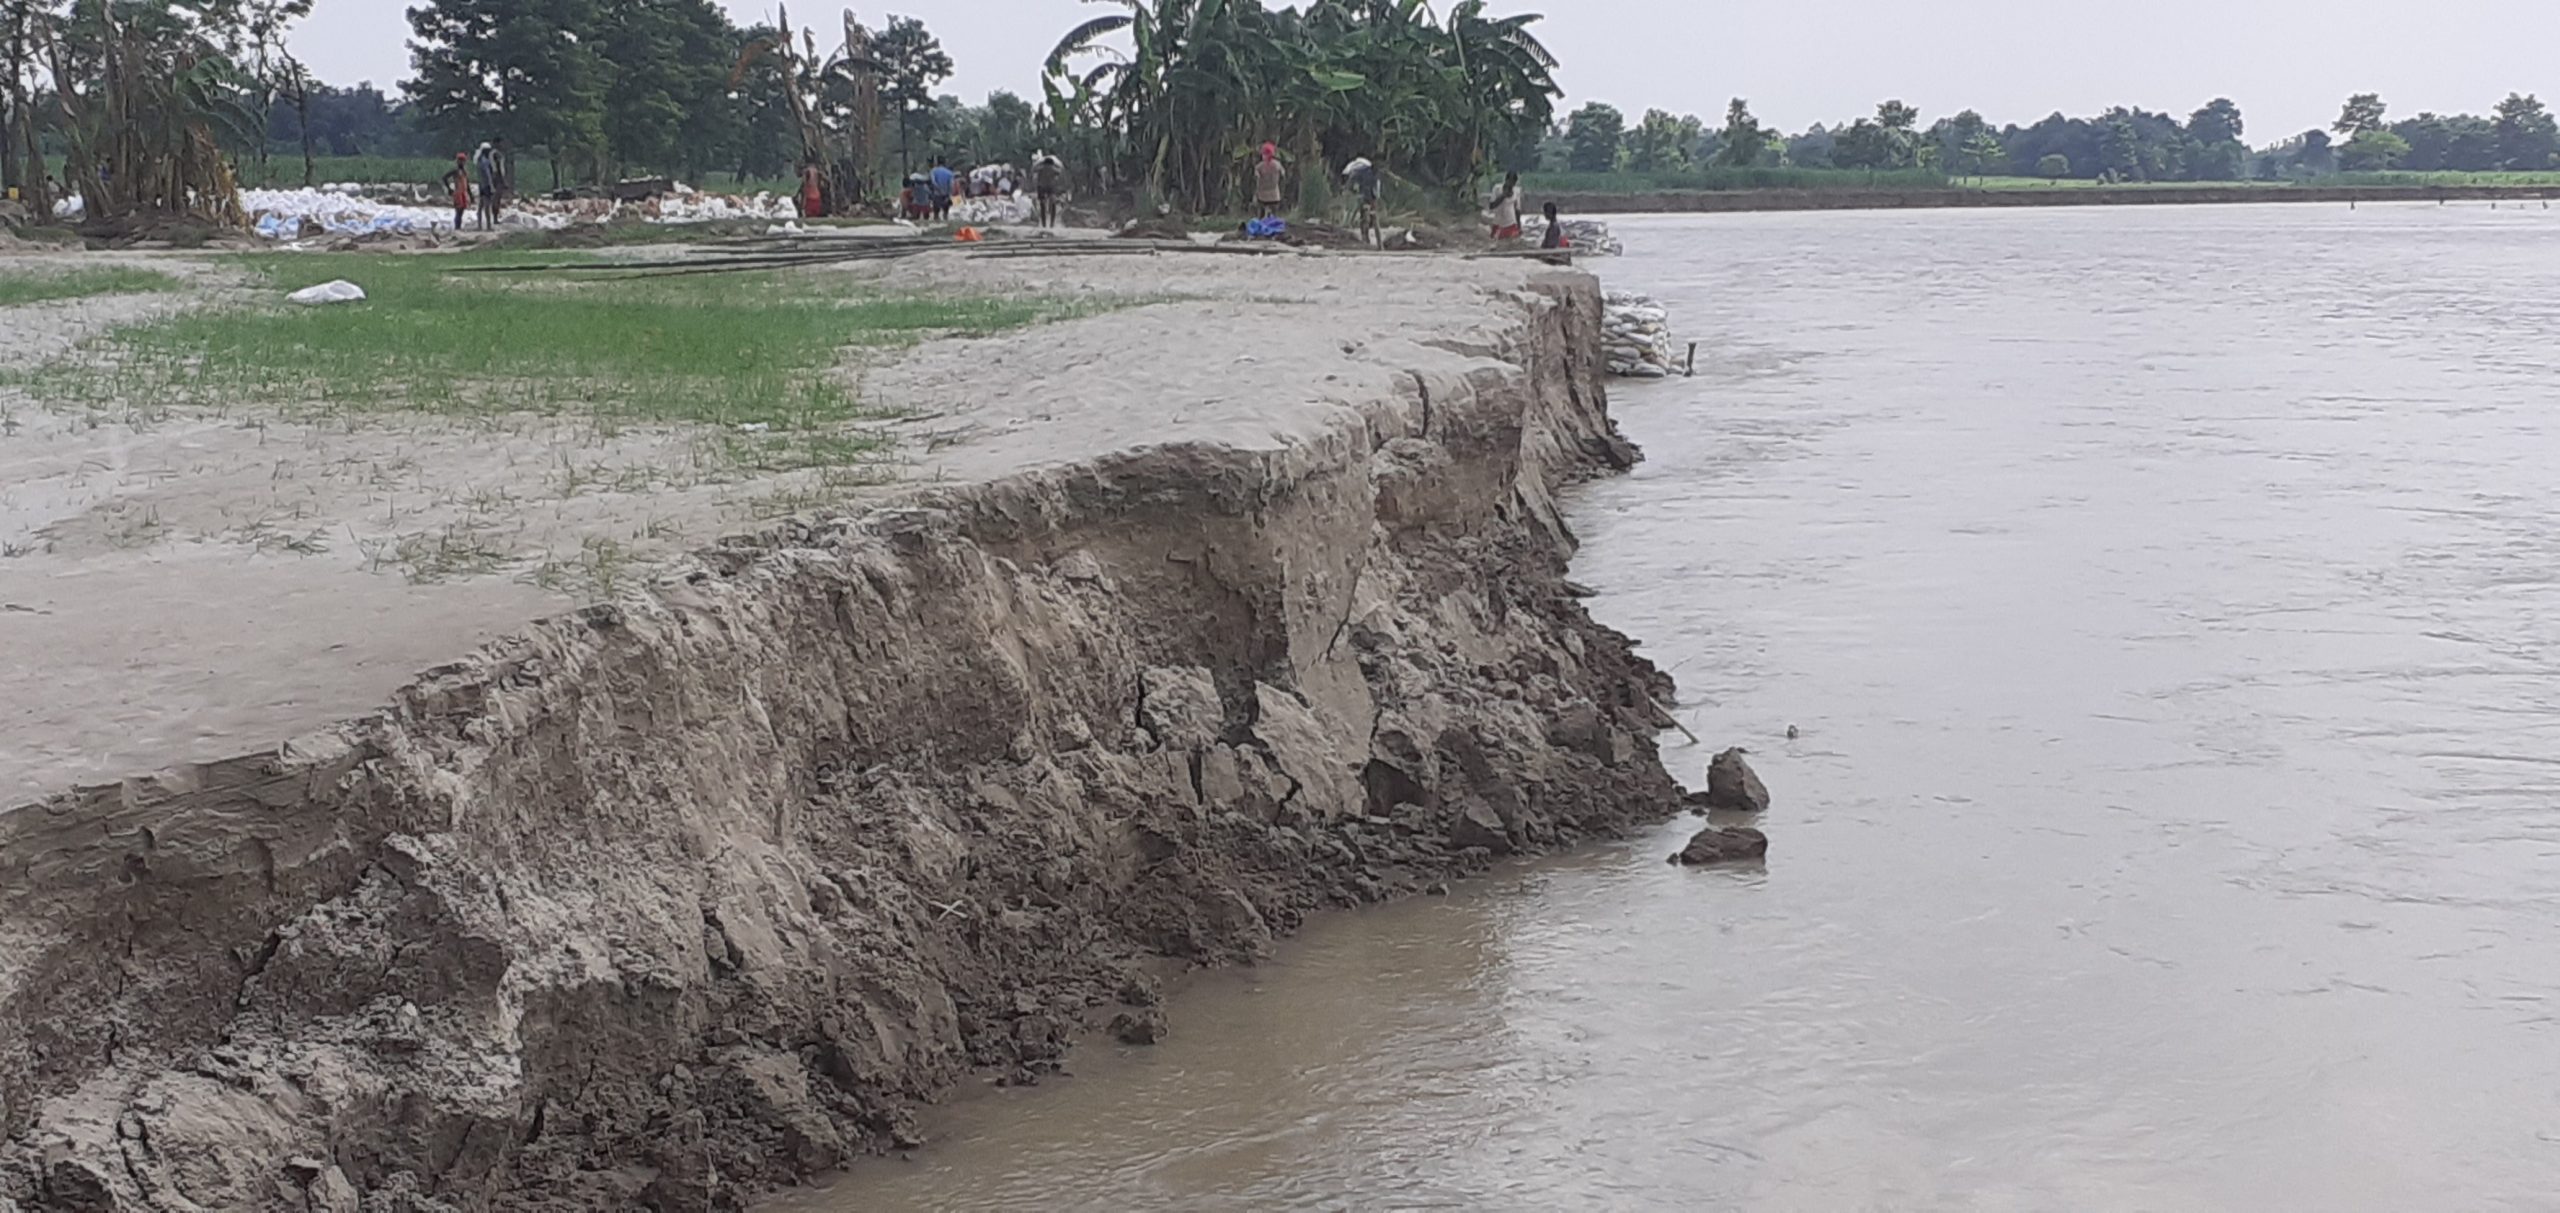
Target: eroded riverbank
x=1258, y=609
x=2164, y=602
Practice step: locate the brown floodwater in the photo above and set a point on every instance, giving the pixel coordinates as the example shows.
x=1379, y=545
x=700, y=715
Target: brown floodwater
x=2168, y=600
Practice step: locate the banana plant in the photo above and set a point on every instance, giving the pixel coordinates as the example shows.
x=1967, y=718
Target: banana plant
x=1183, y=90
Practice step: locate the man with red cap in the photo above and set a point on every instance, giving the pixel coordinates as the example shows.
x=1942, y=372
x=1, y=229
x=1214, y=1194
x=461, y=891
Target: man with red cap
x=1266, y=181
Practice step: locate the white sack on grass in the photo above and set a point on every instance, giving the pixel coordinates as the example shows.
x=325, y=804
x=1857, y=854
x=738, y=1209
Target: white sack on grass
x=339, y=291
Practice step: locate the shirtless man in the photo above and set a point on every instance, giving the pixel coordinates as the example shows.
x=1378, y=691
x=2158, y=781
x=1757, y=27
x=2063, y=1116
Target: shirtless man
x=1504, y=215
x=1363, y=177
x=1048, y=177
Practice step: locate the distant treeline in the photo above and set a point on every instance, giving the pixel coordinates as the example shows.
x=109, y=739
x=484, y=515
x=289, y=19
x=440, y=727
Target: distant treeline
x=2125, y=144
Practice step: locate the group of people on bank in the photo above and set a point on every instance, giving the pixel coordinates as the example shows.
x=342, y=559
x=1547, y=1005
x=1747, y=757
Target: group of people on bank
x=928, y=195
x=1501, y=214
x=479, y=182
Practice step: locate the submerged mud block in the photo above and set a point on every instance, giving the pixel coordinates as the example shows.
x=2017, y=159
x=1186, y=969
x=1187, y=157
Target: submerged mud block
x=1722, y=844
x=668, y=901
x=1732, y=786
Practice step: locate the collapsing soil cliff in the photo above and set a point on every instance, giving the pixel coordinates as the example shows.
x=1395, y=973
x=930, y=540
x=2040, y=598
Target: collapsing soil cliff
x=706, y=890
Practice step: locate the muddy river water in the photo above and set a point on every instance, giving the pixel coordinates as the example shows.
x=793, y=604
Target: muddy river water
x=2168, y=600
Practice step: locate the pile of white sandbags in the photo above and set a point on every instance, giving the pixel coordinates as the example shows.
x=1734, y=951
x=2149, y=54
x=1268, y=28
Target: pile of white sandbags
x=282, y=214
x=1589, y=236
x=347, y=210
x=686, y=204
x=1636, y=335
x=1000, y=209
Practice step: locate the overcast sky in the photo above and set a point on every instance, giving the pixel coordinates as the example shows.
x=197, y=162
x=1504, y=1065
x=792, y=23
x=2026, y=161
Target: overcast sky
x=2289, y=63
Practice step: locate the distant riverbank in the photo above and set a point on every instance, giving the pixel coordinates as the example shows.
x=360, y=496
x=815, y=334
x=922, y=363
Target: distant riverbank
x=1696, y=201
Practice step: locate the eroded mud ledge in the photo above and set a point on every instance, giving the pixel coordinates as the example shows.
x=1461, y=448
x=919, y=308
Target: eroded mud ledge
x=670, y=901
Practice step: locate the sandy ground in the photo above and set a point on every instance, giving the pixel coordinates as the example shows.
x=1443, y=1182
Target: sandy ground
x=179, y=586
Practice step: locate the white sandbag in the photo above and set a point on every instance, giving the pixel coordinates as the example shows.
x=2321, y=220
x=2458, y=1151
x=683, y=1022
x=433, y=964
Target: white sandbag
x=337, y=291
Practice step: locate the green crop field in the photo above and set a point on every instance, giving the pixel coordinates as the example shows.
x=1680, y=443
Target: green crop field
x=2419, y=180
x=2082, y=183
x=39, y=287
x=1732, y=179
x=725, y=350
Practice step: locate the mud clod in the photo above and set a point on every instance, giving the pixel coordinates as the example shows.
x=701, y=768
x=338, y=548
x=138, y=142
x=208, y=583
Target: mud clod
x=1722, y=844
x=1141, y=1027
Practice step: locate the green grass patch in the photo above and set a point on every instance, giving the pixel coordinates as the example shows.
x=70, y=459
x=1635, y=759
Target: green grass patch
x=1732, y=179
x=732, y=350
x=2085, y=183
x=81, y=283
x=283, y=170
x=2423, y=180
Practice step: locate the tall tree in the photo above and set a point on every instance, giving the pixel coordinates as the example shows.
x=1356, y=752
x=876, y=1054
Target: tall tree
x=665, y=90
x=2119, y=147
x=911, y=61
x=2218, y=122
x=1888, y=141
x=1815, y=148
x=1982, y=153
x=2216, y=131
x=2372, y=151
x=523, y=70
x=2448, y=142
x=1744, y=138
x=1595, y=133
x=2313, y=153
x=1961, y=140
x=2073, y=139
x=150, y=100
x=21, y=151
x=2528, y=138
x=1661, y=143
x=2363, y=112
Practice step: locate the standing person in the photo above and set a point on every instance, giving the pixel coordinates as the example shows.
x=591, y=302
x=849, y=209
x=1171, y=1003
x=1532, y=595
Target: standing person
x=1363, y=176
x=813, y=194
x=1047, y=173
x=941, y=189
x=1266, y=181
x=1504, y=215
x=1555, y=238
x=503, y=172
x=457, y=186
x=484, y=168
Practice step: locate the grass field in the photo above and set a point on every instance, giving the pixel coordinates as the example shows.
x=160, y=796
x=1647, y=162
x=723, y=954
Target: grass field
x=725, y=350
x=2396, y=178
x=2390, y=180
x=79, y=284
x=1821, y=179
x=2084, y=183
x=1731, y=179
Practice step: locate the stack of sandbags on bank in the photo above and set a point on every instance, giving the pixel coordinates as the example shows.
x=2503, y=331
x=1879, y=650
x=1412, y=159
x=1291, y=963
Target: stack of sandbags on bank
x=1589, y=236
x=1635, y=335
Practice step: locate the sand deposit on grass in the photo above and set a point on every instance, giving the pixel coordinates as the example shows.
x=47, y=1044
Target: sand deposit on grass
x=191, y=582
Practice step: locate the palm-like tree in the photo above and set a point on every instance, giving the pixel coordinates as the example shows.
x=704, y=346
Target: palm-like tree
x=1202, y=81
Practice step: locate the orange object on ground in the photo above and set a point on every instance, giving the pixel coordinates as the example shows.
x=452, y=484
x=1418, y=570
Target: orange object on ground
x=968, y=235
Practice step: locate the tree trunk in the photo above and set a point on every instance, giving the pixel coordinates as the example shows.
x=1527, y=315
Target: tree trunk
x=302, y=122
x=23, y=159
